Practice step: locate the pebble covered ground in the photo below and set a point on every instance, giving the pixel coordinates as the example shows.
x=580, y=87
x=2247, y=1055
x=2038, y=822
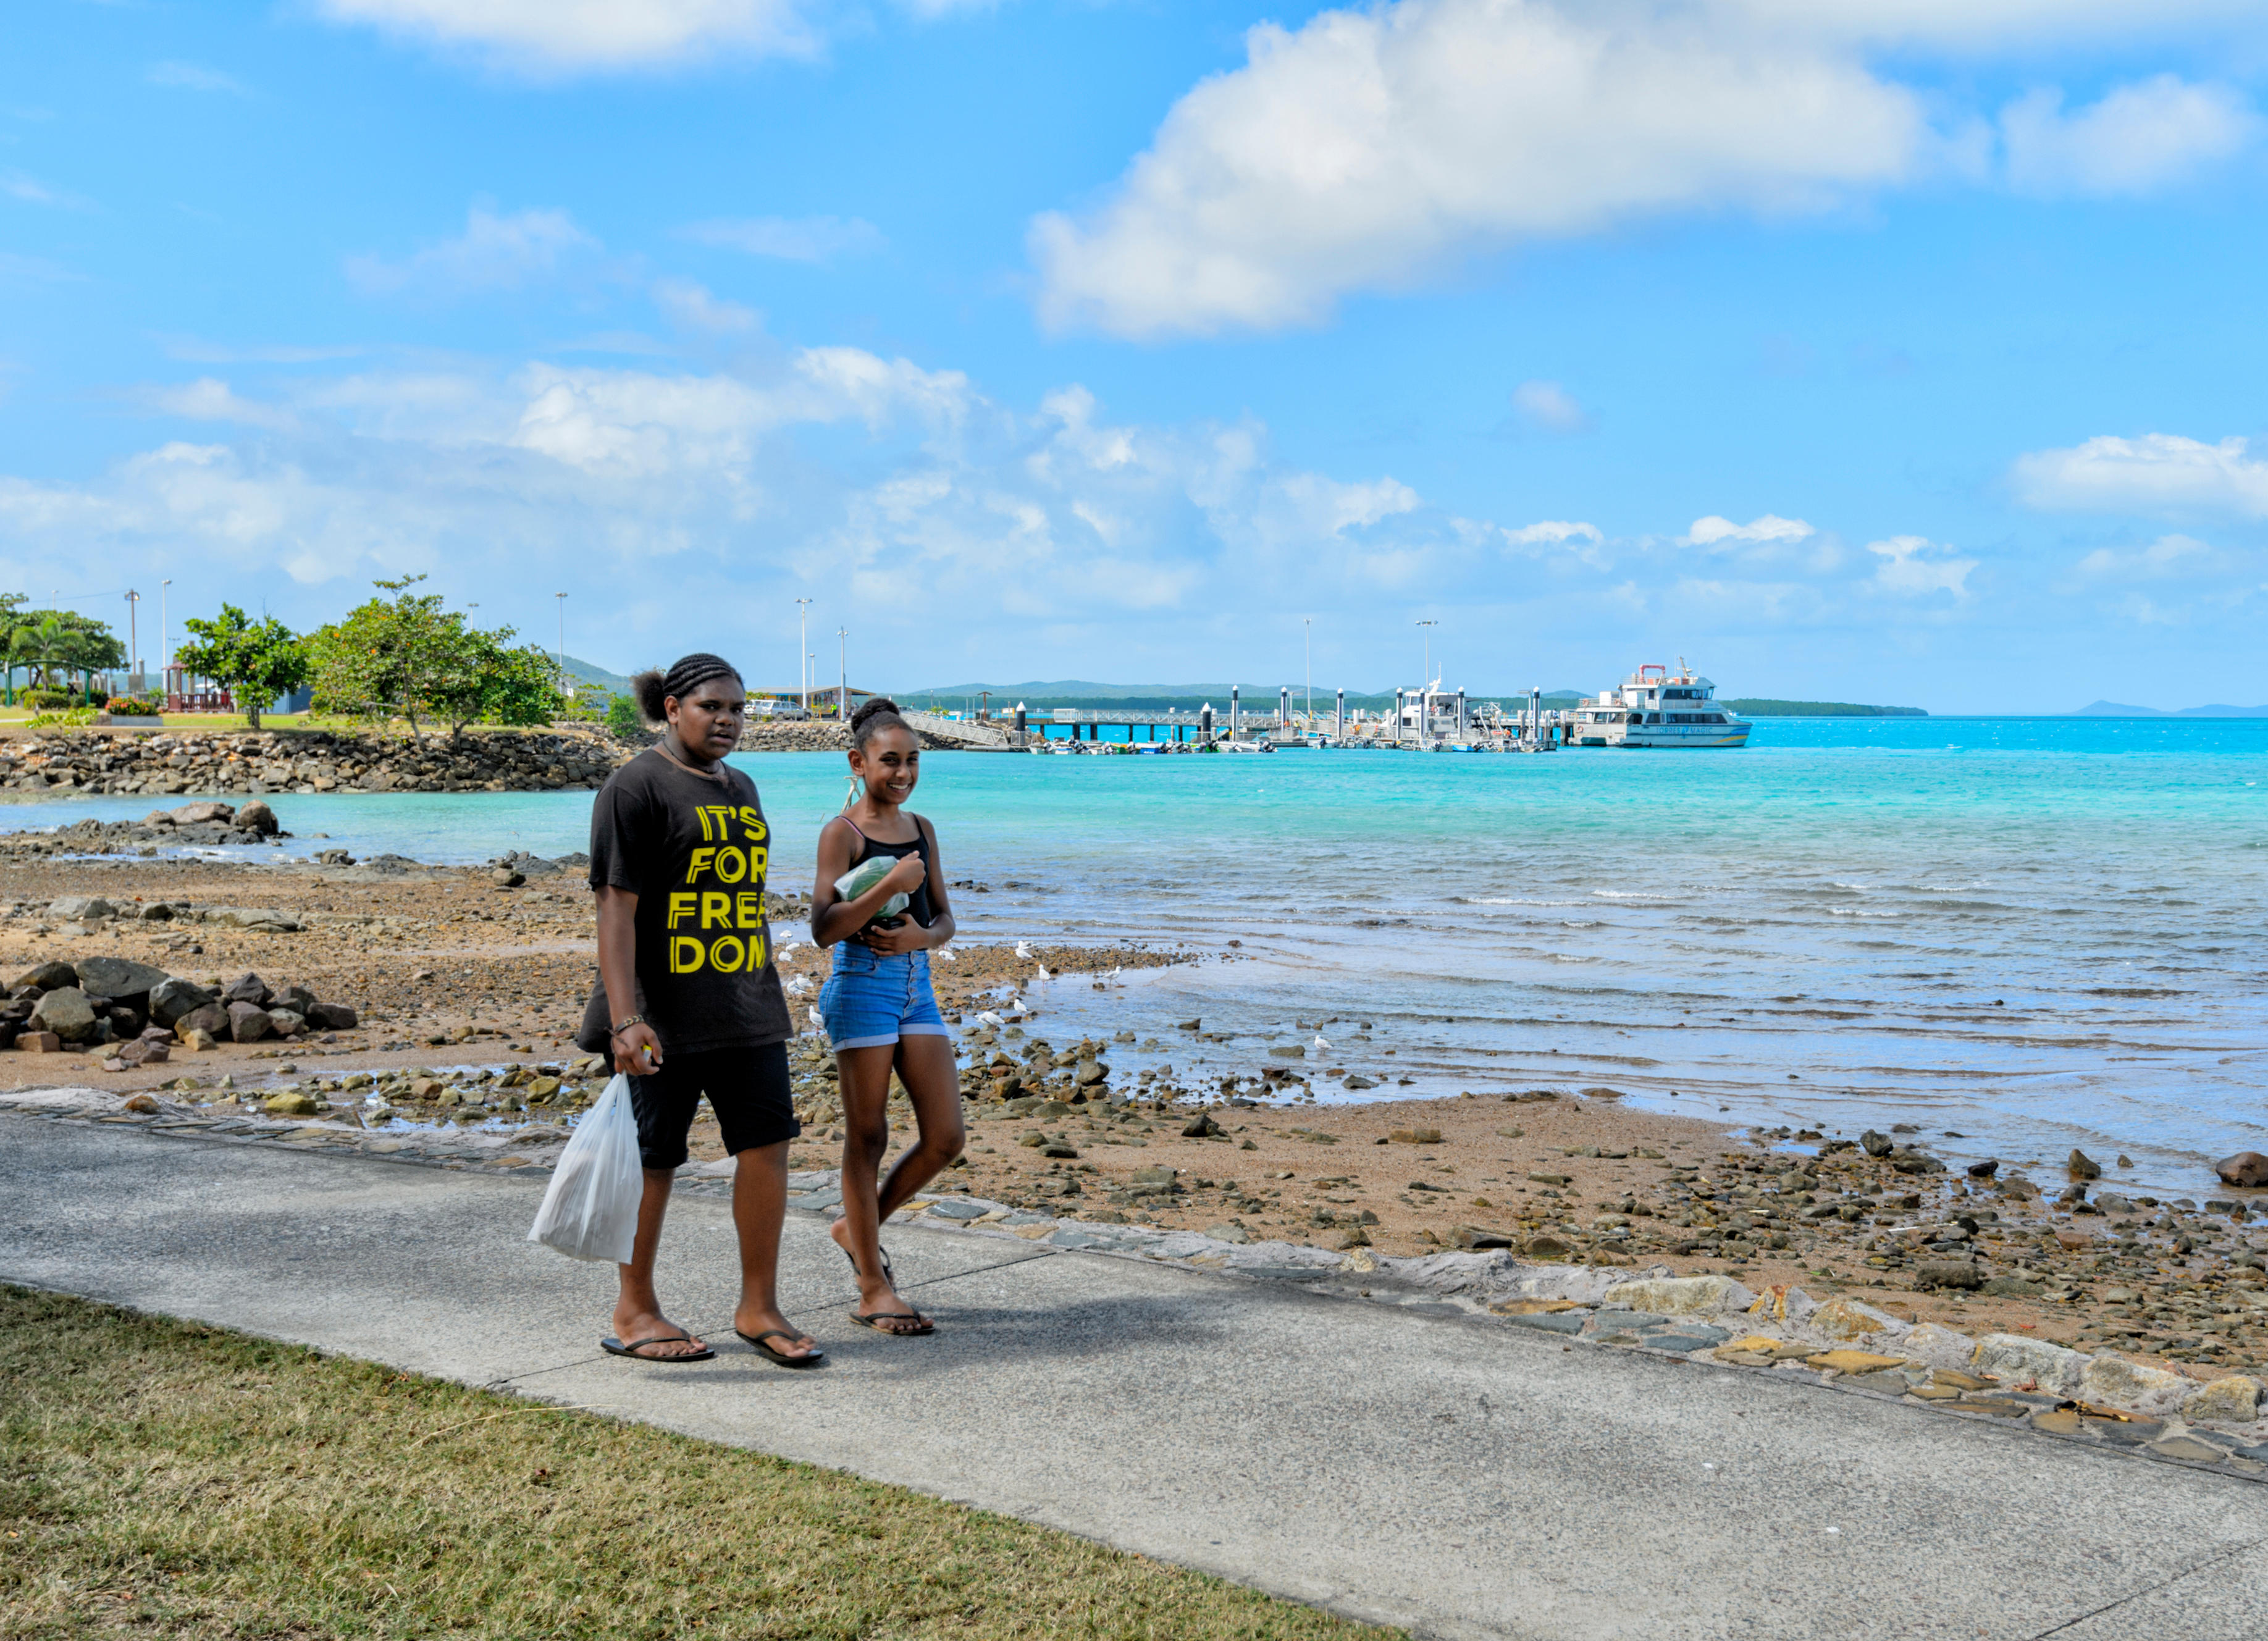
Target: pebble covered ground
x=468, y=982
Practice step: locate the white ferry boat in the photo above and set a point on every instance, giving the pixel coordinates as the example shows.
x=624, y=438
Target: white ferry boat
x=1656, y=707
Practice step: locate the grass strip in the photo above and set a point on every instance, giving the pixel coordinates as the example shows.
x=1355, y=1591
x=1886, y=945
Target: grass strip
x=160, y=1477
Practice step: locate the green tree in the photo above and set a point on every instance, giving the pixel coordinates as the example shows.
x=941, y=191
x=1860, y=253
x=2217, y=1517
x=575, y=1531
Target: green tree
x=408, y=657
x=258, y=662
x=58, y=645
x=624, y=716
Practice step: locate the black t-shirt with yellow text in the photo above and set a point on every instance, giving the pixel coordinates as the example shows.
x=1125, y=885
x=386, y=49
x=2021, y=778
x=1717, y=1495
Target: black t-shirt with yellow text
x=694, y=850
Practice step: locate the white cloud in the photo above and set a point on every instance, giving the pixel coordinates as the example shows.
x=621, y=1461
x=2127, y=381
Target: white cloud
x=194, y=76
x=1552, y=532
x=2167, y=558
x=495, y=253
x=1366, y=149
x=692, y=306
x=1913, y=566
x=1988, y=24
x=2137, y=138
x=557, y=36
x=789, y=239
x=1371, y=149
x=1769, y=527
x=1548, y=407
x=840, y=468
x=2158, y=473
x=208, y=399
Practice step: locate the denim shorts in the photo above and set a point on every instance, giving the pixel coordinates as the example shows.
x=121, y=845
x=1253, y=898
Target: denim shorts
x=870, y=1000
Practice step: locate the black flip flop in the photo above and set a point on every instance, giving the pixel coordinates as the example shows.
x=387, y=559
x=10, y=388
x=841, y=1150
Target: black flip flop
x=615, y=1347
x=875, y=1319
x=757, y=1341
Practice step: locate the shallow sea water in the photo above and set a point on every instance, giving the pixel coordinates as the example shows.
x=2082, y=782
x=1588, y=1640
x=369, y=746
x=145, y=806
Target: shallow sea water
x=2033, y=933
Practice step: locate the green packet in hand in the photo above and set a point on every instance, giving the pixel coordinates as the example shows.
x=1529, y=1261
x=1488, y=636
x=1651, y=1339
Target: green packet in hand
x=864, y=876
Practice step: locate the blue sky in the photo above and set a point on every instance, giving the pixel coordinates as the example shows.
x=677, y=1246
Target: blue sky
x=1874, y=352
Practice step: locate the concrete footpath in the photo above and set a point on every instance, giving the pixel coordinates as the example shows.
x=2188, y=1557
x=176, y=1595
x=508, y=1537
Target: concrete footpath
x=1461, y=1478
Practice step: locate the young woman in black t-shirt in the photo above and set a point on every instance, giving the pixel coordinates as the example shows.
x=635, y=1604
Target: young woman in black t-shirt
x=877, y=1005
x=688, y=1002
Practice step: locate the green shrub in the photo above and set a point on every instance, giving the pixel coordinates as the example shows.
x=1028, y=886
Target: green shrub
x=622, y=716
x=132, y=706
x=51, y=700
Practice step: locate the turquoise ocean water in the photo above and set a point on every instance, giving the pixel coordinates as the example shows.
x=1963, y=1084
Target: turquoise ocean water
x=2032, y=933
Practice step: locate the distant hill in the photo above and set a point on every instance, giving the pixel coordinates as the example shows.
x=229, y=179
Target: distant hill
x=1759, y=707
x=592, y=673
x=2113, y=708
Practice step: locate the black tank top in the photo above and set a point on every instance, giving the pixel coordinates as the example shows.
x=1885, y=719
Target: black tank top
x=917, y=904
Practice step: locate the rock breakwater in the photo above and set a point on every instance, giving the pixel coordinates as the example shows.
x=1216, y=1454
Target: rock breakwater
x=307, y=761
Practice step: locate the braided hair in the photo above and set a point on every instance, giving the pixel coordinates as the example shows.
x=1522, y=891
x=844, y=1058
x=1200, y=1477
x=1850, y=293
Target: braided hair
x=874, y=715
x=653, y=688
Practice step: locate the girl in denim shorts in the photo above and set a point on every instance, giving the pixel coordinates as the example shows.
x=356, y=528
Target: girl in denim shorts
x=877, y=1005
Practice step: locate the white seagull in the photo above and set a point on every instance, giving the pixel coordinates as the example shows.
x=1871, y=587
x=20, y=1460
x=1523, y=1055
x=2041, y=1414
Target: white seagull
x=1042, y=974
x=1322, y=1041
x=817, y=1024
x=988, y=1018
x=945, y=954
x=1023, y=949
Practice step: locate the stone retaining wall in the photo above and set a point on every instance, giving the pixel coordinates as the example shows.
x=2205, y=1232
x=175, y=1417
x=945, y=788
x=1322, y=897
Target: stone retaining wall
x=307, y=761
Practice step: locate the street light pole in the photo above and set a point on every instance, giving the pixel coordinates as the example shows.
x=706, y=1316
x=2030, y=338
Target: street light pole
x=134, y=633
x=165, y=649
x=563, y=638
x=803, y=648
x=1308, y=622
x=1426, y=684
x=842, y=699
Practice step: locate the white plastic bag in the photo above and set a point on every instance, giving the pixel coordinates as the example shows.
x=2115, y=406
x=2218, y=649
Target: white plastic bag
x=864, y=876
x=591, y=1210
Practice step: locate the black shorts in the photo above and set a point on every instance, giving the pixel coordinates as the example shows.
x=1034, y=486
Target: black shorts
x=748, y=1089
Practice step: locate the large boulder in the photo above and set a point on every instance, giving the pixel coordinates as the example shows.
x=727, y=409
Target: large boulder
x=2021, y=1364
x=2113, y=1381
x=284, y=1023
x=170, y=999
x=66, y=1012
x=2235, y=1399
x=2245, y=1169
x=46, y=977
x=333, y=1016
x=210, y=1020
x=247, y=1022
x=81, y=908
x=247, y=988
x=196, y=814
x=258, y=817
x=118, y=977
x=298, y=999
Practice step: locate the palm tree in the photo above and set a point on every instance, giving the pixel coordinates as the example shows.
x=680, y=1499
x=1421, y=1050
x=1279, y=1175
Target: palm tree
x=47, y=646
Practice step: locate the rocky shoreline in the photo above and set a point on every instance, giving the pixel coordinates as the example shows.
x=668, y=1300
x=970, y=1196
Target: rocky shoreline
x=248, y=761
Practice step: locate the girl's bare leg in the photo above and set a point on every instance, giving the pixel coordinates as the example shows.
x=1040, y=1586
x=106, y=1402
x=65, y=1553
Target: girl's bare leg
x=926, y=1066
